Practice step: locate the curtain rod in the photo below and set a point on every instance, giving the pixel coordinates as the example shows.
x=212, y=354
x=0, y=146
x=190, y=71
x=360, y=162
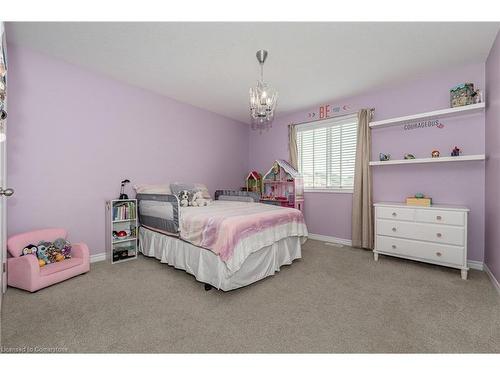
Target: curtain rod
x=323, y=119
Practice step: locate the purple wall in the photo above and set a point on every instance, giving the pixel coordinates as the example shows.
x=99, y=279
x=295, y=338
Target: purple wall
x=74, y=135
x=492, y=248
x=457, y=183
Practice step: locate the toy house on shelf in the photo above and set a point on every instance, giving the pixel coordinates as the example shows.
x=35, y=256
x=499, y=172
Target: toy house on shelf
x=283, y=186
x=254, y=182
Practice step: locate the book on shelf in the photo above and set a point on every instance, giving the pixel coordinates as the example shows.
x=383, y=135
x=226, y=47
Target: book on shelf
x=124, y=211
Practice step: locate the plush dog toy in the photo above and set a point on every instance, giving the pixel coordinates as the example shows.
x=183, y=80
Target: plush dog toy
x=184, y=198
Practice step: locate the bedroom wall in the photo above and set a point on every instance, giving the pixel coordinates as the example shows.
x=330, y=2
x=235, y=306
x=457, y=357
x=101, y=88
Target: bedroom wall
x=492, y=249
x=457, y=183
x=74, y=135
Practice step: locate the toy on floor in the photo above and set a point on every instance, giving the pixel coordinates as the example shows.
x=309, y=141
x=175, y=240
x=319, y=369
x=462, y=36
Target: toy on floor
x=435, y=154
x=184, y=198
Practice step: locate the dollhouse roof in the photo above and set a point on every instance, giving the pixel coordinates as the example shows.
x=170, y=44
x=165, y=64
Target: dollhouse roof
x=255, y=175
x=287, y=167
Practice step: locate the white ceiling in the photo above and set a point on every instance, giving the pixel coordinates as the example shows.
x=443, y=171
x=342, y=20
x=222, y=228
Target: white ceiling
x=212, y=65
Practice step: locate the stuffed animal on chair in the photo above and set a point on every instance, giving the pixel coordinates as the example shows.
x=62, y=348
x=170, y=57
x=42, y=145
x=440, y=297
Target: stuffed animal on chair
x=42, y=254
x=30, y=249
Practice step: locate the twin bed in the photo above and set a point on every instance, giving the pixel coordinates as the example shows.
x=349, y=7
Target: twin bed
x=228, y=244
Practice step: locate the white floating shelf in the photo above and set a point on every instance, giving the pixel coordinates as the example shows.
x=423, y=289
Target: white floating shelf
x=443, y=159
x=441, y=113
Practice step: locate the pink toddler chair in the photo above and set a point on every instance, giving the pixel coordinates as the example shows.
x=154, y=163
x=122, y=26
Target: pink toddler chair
x=24, y=272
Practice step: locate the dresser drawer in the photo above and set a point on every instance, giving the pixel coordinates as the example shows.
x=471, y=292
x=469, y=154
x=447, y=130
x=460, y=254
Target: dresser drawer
x=395, y=213
x=421, y=250
x=440, y=217
x=420, y=231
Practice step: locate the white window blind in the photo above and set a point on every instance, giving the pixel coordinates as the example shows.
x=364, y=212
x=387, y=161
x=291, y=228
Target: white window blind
x=326, y=152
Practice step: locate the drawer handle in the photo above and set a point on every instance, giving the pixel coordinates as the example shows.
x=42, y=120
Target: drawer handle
x=438, y=217
x=394, y=214
x=393, y=229
x=439, y=235
x=438, y=254
x=393, y=246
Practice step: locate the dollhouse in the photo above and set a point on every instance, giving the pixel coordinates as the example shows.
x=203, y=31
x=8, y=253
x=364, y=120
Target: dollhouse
x=254, y=182
x=283, y=185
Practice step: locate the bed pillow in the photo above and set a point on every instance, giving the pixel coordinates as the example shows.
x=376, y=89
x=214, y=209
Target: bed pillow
x=153, y=189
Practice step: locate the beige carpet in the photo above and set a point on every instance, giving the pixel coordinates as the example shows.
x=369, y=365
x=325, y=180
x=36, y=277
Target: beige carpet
x=332, y=300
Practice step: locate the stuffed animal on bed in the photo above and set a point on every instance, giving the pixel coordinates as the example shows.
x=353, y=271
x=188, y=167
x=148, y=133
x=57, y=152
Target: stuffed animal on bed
x=198, y=200
x=184, y=198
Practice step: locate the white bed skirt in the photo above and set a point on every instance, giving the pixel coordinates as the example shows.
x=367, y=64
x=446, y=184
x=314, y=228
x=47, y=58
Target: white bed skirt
x=208, y=268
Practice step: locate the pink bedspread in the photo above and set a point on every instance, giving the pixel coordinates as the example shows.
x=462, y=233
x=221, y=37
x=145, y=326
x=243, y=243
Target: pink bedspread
x=233, y=230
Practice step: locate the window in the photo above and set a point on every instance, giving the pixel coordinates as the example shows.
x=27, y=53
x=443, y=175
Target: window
x=326, y=152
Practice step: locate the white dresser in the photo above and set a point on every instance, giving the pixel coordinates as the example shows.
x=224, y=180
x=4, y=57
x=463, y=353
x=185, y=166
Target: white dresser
x=436, y=234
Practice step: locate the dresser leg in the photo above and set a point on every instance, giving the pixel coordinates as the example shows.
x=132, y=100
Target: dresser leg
x=375, y=256
x=464, y=274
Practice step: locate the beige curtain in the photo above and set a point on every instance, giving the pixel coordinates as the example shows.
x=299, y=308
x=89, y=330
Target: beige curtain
x=362, y=204
x=292, y=146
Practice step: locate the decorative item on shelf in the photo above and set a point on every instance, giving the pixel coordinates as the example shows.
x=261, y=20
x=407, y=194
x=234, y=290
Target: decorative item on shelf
x=409, y=156
x=462, y=94
x=435, y=153
x=478, y=96
x=419, y=199
x=254, y=182
x=456, y=151
x=283, y=186
x=122, y=189
x=384, y=157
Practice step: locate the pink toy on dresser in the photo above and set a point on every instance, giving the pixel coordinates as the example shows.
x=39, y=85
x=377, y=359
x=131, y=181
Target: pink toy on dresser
x=23, y=272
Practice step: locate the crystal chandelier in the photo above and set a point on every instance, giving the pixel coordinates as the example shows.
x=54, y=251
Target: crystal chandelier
x=263, y=99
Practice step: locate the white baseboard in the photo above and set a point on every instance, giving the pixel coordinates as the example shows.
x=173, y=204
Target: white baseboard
x=97, y=257
x=475, y=265
x=494, y=281
x=321, y=237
